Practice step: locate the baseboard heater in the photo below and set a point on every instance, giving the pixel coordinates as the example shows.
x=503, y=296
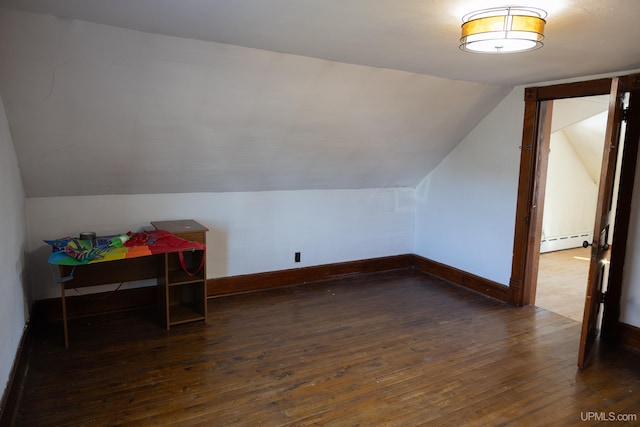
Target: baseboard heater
x=570, y=241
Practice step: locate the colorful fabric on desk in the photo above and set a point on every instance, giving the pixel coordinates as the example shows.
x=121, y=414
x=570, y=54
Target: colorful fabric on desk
x=70, y=251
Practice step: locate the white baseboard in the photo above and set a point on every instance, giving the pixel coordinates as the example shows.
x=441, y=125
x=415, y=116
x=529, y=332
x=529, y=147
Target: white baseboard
x=560, y=243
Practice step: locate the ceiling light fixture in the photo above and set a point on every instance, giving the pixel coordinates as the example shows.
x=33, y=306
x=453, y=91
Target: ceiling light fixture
x=503, y=30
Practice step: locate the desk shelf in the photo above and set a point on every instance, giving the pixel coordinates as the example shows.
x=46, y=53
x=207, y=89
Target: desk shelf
x=183, y=297
x=183, y=313
x=179, y=277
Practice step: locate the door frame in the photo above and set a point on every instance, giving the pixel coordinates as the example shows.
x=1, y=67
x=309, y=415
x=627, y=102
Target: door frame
x=531, y=186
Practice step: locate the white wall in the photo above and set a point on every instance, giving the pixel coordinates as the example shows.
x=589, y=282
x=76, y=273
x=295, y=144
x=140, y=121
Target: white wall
x=571, y=194
x=630, y=307
x=250, y=232
x=13, y=298
x=465, y=209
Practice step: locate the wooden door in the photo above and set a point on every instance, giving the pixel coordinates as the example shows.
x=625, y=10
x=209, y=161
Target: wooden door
x=599, y=267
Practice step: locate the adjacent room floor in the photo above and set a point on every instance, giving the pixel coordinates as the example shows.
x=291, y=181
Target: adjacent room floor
x=390, y=349
x=562, y=282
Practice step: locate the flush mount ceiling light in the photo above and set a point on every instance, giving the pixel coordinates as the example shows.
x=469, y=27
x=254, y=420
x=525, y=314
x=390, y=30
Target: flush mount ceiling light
x=503, y=30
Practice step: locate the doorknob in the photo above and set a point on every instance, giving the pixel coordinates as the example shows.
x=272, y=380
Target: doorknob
x=604, y=247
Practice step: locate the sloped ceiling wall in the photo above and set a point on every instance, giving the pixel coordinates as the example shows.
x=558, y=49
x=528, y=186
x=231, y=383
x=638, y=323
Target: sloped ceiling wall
x=587, y=139
x=583, y=122
x=96, y=110
x=154, y=96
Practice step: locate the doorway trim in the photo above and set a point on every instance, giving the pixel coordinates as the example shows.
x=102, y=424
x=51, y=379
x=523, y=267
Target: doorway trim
x=530, y=200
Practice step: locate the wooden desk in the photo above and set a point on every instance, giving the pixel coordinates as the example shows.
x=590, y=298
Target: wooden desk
x=181, y=296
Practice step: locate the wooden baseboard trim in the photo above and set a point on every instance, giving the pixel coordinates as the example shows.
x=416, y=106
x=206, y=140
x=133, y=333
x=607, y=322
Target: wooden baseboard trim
x=285, y=278
x=468, y=280
x=129, y=299
x=629, y=336
x=15, y=382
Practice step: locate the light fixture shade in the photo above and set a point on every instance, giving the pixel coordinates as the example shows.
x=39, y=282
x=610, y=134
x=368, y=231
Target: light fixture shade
x=503, y=30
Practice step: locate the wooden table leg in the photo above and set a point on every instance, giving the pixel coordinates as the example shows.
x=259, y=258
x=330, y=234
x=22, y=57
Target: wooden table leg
x=64, y=318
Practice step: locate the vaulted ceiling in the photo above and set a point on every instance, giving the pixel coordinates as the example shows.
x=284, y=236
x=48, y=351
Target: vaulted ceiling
x=583, y=121
x=160, y=96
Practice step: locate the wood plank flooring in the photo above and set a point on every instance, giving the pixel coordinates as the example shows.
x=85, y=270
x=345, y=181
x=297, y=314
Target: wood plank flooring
x=562, y=281
x=389, y=349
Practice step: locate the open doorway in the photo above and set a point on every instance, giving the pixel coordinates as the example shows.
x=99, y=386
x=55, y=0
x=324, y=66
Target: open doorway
x=576, y=145
x=604, y=284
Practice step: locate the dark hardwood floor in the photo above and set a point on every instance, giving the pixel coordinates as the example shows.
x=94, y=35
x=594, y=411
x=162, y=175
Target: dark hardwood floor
x=390, y=349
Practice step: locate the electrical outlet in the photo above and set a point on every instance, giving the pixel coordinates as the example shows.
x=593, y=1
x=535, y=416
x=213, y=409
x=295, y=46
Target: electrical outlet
x=297, y=257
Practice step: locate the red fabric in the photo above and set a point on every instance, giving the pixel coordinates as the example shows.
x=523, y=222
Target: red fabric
x=184, y=265
x=160, y=241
